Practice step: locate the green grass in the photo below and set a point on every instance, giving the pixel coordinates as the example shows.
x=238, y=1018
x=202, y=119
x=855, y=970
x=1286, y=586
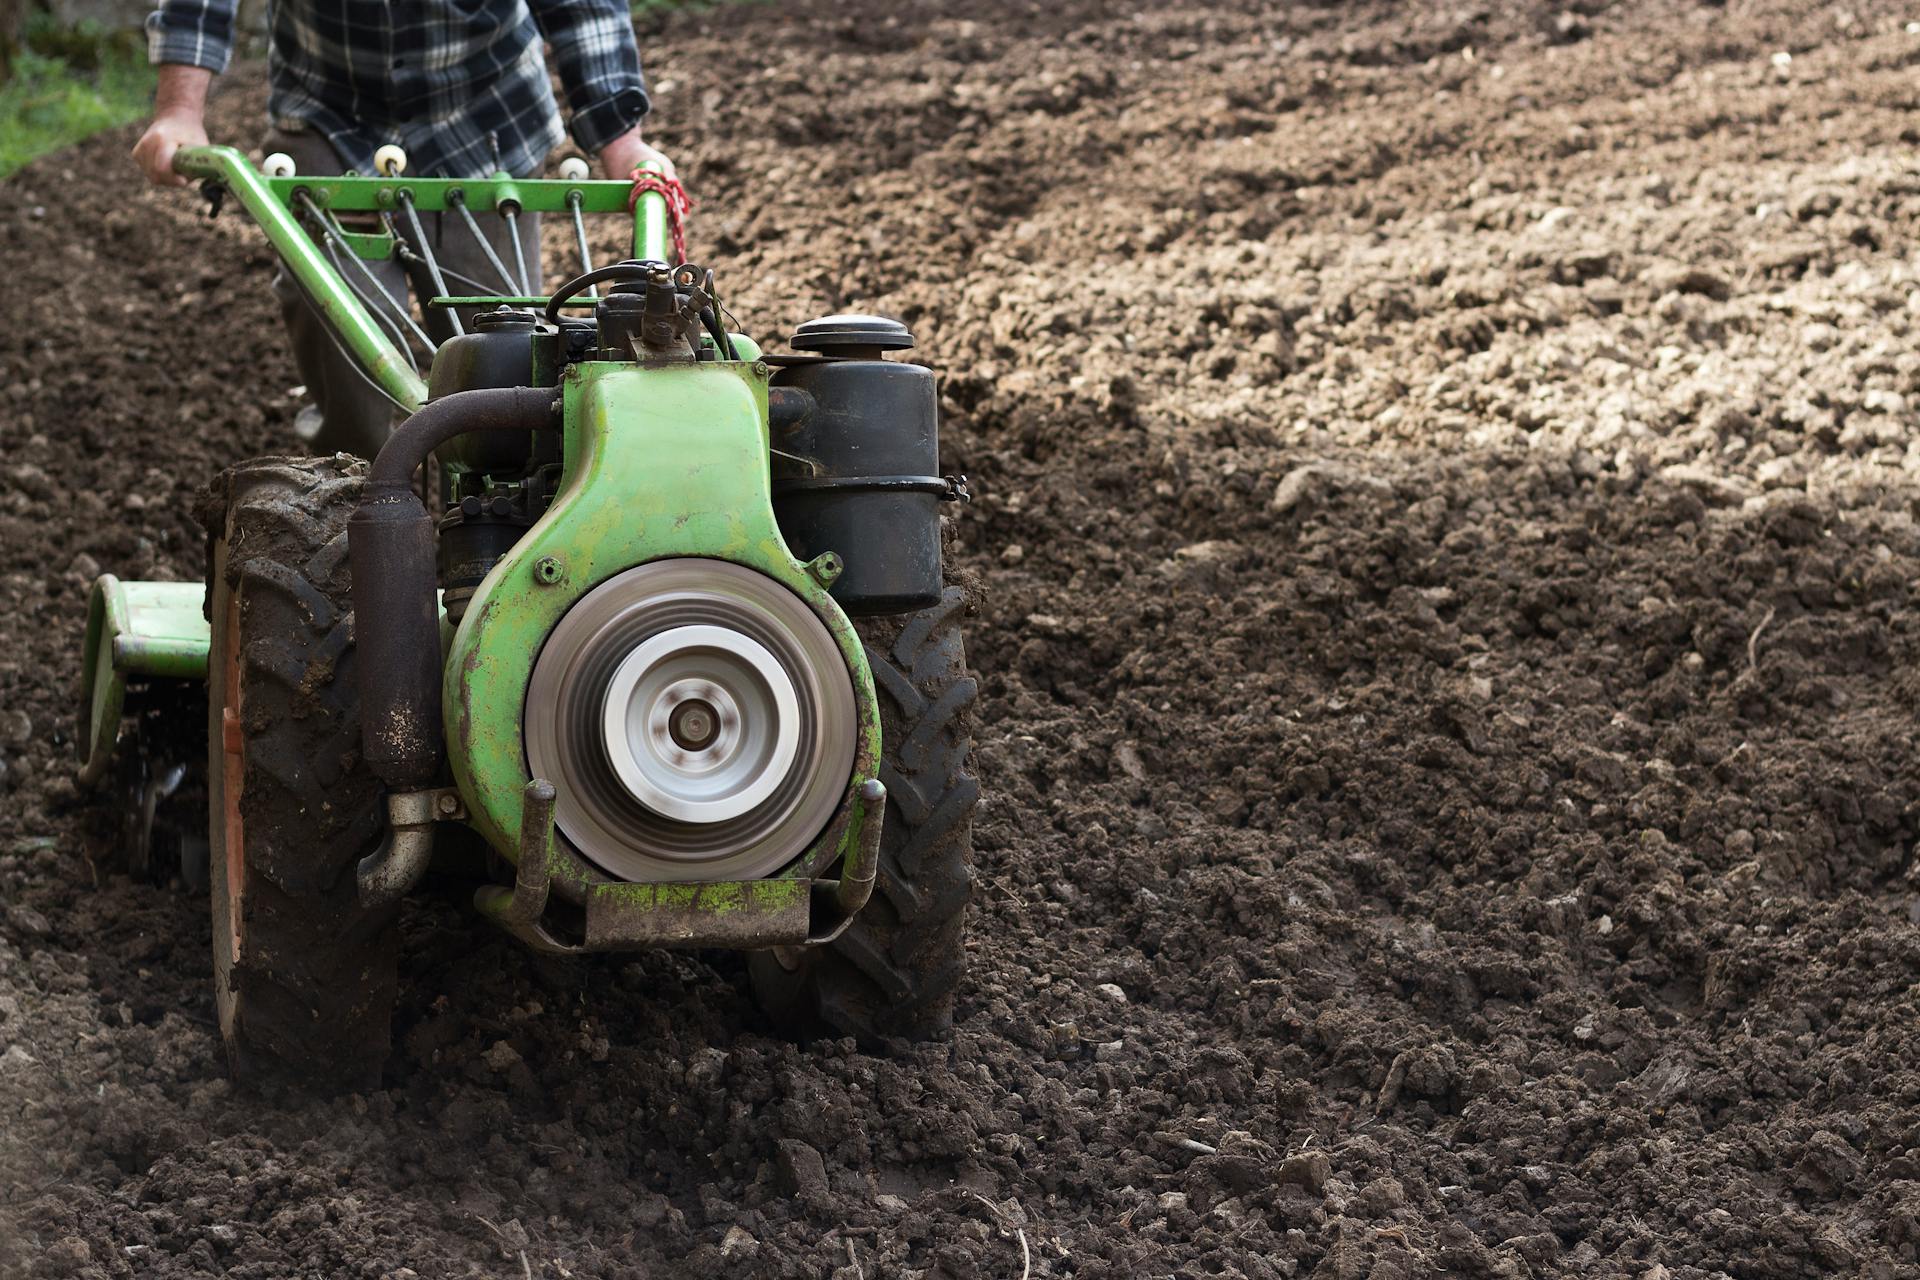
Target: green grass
x=68, y=85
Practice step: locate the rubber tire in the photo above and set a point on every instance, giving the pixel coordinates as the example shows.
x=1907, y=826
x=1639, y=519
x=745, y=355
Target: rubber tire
x=304, y=977
x=894, y=971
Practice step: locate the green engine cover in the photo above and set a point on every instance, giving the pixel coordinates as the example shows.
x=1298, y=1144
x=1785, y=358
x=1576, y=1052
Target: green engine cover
x=662, y=461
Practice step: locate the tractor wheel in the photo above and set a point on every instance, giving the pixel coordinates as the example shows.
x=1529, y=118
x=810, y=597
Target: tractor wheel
x=303, y=976
x=894, y=971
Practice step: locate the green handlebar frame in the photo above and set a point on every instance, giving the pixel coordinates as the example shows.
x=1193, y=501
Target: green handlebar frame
x=269, y=201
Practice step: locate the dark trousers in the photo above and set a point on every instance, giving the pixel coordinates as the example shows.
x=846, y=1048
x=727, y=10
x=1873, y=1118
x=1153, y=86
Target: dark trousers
x=348, y=413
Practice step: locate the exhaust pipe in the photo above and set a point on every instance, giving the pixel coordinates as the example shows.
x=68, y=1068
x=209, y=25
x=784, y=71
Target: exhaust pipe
x=396, y=610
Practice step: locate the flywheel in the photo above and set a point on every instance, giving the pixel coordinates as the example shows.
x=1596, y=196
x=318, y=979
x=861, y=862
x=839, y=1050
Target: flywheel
x=697, y=719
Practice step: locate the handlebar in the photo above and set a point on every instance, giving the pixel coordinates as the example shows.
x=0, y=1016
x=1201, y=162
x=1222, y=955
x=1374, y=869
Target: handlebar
x=270, y=202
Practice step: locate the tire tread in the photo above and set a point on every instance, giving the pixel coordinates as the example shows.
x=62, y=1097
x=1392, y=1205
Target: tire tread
x=312, y=991
x=895, y=970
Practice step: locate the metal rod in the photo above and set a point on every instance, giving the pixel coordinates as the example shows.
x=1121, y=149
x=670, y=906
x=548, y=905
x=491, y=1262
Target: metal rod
x=652, y=229
x=426, y=252
x=486, y=246
x=580, y=238
x=354, y=362
x=385, y=322
x=338, y=239
x=522, y=906
x=345, y=312
x=480, y=287
x=512, y=217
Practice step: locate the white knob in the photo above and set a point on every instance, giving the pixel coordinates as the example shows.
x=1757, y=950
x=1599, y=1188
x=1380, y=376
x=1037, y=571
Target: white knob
x=278, y=165
x=573, y=169
x=390, y=161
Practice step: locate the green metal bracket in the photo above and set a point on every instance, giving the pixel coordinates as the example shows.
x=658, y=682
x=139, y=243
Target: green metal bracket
x=787, y=911
x=134, y=629
x=662, y=461
x=374, y=246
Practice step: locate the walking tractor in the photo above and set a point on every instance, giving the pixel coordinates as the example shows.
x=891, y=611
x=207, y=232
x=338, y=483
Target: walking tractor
x=677, y=645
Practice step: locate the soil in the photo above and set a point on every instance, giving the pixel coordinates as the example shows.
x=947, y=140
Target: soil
x=1447, y=557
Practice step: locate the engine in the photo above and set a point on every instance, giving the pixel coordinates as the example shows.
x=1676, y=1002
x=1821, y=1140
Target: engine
x=651, y=541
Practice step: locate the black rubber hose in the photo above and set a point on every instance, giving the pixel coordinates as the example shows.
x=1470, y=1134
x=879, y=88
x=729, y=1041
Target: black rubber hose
x=599, y=275
x=396, y=611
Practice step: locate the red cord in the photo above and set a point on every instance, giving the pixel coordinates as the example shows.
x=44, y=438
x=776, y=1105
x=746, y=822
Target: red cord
x=679, y=204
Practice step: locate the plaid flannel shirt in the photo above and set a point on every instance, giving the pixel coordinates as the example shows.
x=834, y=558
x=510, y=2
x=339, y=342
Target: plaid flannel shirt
x=461, y=84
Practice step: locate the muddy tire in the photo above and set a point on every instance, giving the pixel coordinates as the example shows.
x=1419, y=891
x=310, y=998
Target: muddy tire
x=894, y=971
x=303, y=976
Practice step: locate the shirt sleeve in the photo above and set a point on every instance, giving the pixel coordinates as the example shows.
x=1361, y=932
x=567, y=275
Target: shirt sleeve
x=599, y=64
x=193, y=33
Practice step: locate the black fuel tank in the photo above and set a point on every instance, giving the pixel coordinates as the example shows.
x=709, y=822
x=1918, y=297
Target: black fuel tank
x=870, y=441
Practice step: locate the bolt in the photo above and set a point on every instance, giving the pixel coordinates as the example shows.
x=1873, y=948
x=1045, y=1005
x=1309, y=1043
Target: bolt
x=694, y=725
x=448, y=803
x=826, y=568
x=548, y=570
x=761, y=369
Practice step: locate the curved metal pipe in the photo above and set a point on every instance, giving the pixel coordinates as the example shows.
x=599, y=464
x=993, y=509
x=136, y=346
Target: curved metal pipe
x=390, y=543
x=863, y=860
x=485, y=409
x=390, y=872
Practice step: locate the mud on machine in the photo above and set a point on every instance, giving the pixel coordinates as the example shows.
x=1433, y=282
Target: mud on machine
x=677, y=647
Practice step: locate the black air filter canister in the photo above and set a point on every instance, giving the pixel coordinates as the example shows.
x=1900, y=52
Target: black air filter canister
x=871, y=450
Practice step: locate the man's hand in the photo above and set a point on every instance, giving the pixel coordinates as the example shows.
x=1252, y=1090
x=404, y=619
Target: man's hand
x=179, y=120
x=627, y=152
x=166, y=135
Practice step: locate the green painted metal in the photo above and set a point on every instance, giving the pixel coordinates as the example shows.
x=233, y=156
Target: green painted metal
x=784, y=911
x=728, y=913
x=268, y=201
x=662, y=461
x=652, y=230
x=362, y=337
x=152, y=629
x=743, y=913
x=435, y=195
x=374, y=246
